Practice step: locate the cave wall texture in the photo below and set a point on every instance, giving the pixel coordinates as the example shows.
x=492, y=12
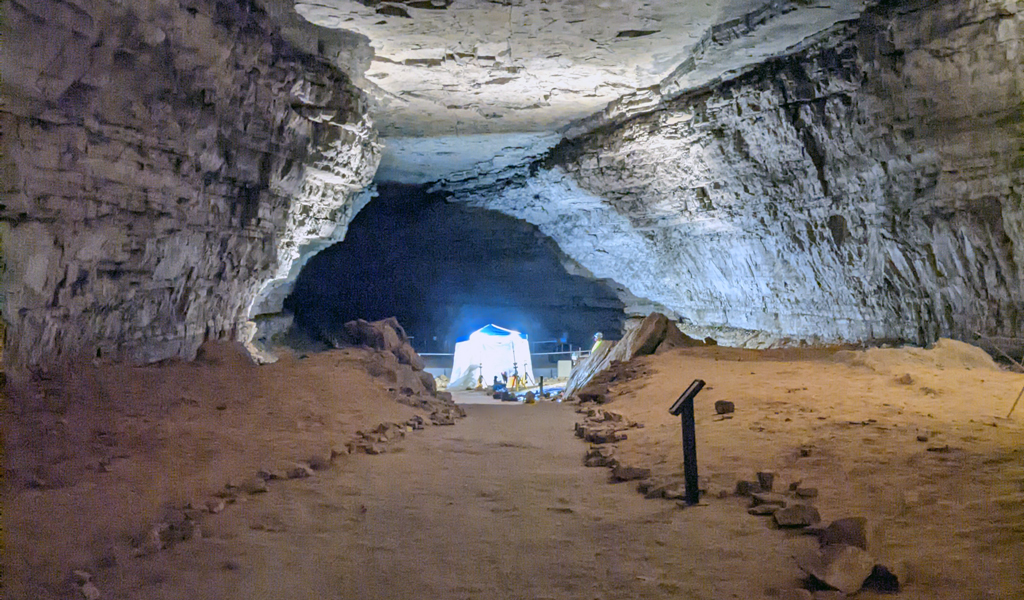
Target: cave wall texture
x=164, y=163
x=168, y=165
x=868, y=186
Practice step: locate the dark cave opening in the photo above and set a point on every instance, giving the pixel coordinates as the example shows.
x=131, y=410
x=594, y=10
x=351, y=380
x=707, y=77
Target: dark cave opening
x=444, y=270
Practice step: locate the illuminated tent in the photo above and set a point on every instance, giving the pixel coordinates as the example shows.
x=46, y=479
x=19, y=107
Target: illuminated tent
x=488, y=352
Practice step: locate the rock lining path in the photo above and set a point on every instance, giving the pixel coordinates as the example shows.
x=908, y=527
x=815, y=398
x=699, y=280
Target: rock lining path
x=498, y=506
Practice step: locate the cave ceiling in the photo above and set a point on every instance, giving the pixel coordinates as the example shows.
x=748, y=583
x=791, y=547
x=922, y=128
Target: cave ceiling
x=468, y=84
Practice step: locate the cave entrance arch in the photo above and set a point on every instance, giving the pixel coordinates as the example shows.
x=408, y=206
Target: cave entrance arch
x=445, y=270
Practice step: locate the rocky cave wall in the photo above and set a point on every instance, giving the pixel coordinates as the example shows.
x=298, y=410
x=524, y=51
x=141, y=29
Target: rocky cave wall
x=866, y=187
x=163, y=164
x=444, y=270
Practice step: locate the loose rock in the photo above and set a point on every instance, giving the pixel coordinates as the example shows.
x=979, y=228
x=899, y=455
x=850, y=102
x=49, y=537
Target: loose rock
x=90, y=591
x=624, y=473
x=215, y=505
x=766, y=480
x=849, y=531
x=882, y=580
x=769, y=498
x=798, y=515
x=806, y=492
x=724, y=407
x=746, y=488
x=254, y=485
x=300, y=472
x=839, y=566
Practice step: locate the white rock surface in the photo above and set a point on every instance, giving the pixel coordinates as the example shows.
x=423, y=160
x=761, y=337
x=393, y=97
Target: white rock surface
x=866, y=187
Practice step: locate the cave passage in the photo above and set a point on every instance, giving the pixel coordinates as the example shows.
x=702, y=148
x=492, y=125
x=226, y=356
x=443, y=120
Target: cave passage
x=446, y=269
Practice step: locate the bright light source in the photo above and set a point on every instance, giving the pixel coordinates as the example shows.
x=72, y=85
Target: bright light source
x=489, y=352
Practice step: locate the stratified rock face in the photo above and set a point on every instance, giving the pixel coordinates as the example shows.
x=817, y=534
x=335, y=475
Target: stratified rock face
x=163, y=162
x=869, y=186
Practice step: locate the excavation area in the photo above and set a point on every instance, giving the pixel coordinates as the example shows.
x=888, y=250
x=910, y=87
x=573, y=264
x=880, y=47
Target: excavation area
x=314, y=478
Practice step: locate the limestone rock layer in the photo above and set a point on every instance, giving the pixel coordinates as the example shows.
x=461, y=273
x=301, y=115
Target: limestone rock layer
x=163, y=163
x=867, y=186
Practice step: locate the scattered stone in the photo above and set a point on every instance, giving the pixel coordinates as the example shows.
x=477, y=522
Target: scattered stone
x=797, y=515
x=766, y=480
x=922, y=438
x=154, y=540
x=271, y=475
x=604, y=436
x=838, y=566
x=940, y=449
x=806, y=492
x=724, y=407
x=530, y=398
x=747, y=488
x=81, y=577
x=624, y=473
x=905, y=379
x=671, y=488
x=442, y=417
x=849, y=531
x=764, y=510
x=254, y=485
x=215, y=505
x=769, y=498
x=299, y=472
x=90, y=591
x=599, y=456
x=230, y=565
x=882, y=580
x=375, y=449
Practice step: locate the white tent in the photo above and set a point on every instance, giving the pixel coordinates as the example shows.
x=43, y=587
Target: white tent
x=488, y=352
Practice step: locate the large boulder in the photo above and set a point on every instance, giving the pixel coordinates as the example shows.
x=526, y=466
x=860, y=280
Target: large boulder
x=386, y=335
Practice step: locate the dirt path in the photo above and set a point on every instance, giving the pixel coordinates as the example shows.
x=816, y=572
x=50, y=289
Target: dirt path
x=498, y=506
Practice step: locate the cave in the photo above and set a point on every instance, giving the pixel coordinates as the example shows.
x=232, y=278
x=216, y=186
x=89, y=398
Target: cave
x=444, y=270
x=242, y=240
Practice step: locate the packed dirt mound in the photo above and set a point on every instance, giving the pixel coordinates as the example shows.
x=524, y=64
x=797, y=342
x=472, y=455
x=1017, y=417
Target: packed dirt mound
x=945, y=354
x=918, y=445
x=224, y=354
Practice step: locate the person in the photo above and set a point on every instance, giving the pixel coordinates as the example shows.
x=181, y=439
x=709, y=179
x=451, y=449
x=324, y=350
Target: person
x=598, y=338
x=498, y=386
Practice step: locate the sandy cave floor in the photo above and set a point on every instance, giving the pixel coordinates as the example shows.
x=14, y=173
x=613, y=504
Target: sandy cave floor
x=500, y=506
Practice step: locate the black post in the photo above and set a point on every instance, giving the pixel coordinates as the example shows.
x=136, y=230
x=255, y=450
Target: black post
x=541, y=390
x=683, y=408
x=690, y=452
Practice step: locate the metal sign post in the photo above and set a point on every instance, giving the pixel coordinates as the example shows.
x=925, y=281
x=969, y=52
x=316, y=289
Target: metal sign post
x=683, y=408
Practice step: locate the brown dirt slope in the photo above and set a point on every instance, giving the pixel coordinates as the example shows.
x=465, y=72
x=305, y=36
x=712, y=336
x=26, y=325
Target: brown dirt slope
x=914, y=440
x=94, y=457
